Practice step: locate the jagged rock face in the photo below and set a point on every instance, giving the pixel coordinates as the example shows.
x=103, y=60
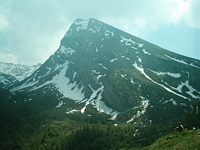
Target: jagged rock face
x=99, y=65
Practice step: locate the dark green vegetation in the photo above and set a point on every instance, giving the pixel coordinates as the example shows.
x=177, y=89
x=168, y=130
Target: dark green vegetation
x=18, y=121
x=24, y=126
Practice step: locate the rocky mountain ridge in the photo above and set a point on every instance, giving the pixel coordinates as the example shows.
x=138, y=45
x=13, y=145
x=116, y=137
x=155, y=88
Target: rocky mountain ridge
x=12, y=73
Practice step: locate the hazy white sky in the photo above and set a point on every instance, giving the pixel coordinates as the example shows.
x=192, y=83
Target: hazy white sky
x=31, y=30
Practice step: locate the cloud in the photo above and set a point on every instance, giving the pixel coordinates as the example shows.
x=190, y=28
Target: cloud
x=8, y=57
x=31, y=30
x=192, y=16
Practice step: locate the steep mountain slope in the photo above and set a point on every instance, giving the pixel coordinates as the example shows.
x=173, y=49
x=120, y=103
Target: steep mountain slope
x=117, y=73
x=13, y=73
x=6, y=79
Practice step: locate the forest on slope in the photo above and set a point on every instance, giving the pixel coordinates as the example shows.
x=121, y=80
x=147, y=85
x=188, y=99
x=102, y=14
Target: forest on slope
x=24, y=126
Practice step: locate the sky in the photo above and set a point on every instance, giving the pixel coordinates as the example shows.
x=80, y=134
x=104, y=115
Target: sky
x=31, y=30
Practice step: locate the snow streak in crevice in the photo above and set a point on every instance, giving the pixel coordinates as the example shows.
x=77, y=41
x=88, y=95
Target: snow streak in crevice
x=183, y=62
x=174, y=75
x=169, y=90
x=144, y=105
x=95, y=101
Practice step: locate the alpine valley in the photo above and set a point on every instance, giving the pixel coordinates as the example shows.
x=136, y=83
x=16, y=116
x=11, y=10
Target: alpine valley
x=100, y=72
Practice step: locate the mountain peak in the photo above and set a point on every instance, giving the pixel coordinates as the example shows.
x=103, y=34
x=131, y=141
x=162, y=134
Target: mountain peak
x=81, y=24
x=101, y=66
x=91, y=25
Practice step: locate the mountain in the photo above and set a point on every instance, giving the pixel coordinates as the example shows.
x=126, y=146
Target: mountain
x=12, y=73
x=99, y=67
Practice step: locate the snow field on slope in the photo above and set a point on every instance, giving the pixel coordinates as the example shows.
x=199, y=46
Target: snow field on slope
x=191, y=89
x=95, y=101
x=169, y=90
x=69, y=90
x=92, y=96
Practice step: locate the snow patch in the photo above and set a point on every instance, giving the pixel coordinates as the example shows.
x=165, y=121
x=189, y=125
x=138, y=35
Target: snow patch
x=59, y=104
x=95, y=100
x=145, y=52
x=109, y=33
x=91, y=30
x=191, y=64
x=140, y=45
x=96, y=72
x=124, y=76
x=177, y=60
x=112, y=60
x=174, y=75
x=67, y=51
x=83, y=109
x=183, y=62
x=125, y=57
x=130, y=42
x=169, y=90
x=134, y=47
x=127, y=42
x=170, y=100
x=103, y=66
x=69, y=111
x=74, y=75
x=139, y=59
x=191, y=89
x=81, y=24
x=144, y=105
x=99, y=76
x=101, y=106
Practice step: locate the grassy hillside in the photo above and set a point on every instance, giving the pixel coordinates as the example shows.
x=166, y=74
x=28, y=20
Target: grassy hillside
x=188, y=139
